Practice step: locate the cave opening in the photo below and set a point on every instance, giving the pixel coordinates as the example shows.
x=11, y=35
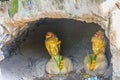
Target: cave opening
x=32, y=54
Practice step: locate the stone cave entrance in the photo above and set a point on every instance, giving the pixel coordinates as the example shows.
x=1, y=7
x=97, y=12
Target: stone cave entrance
x=27, y=61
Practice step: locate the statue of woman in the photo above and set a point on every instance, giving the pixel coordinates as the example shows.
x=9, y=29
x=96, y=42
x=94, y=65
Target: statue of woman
x=96, y=63
x=57, y=64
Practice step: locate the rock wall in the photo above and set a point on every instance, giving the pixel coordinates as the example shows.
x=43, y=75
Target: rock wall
x=106, y=13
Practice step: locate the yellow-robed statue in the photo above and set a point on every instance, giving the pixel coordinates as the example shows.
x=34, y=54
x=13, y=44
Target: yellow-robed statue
x=57, y=64
x=96, y=63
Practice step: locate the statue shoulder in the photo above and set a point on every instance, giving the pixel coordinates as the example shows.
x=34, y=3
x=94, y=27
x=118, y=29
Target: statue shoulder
x=67, y=60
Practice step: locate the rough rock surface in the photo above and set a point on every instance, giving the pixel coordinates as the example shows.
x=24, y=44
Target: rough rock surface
x=103, y=12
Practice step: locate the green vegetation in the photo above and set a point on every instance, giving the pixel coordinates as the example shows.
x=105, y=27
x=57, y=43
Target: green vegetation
x=13, y=7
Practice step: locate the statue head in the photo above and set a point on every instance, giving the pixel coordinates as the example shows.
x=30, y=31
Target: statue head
x=50, y=35
x=98, y=42
x=52, y=44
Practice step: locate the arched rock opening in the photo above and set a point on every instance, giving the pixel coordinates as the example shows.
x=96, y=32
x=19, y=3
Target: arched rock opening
x=29, y=48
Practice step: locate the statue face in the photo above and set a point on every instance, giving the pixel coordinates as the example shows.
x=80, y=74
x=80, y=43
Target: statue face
x=52, y=44
x=53, y=49
x=98, y=47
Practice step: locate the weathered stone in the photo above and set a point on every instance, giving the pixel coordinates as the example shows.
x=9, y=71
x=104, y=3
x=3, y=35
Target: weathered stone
x=103, y=12
x=1, y=57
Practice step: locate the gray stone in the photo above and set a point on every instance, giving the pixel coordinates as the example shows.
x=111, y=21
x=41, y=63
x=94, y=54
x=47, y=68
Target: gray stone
x=103, y=12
